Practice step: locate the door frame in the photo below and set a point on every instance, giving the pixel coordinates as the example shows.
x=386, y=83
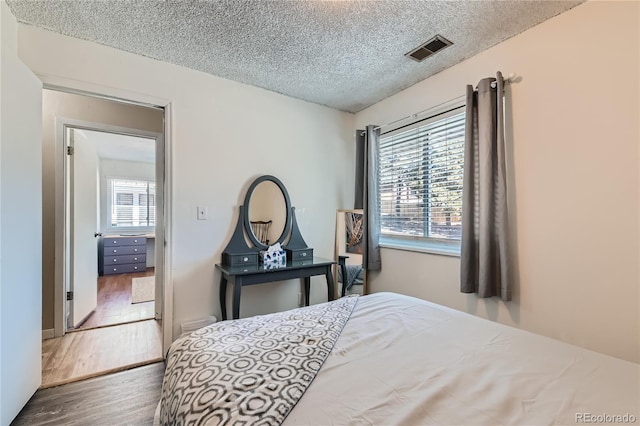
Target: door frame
x=62, y=125
x=164, y=282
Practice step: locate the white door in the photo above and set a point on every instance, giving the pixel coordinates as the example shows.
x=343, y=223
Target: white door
x=84, y=226
x=21, y=225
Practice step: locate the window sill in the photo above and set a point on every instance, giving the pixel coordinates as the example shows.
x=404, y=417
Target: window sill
x=431, y=247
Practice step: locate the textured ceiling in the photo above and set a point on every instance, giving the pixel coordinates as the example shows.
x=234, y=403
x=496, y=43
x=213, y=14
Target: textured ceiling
x=344, y=54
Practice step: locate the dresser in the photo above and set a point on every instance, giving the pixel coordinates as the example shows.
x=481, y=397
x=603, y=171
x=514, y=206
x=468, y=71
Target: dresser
x=122, y=254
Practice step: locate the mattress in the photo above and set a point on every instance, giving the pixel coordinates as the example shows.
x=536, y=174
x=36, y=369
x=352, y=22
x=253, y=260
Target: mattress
x=406, y=361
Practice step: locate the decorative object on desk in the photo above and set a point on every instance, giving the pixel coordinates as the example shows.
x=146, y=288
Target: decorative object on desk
x=281, y=263
x=266, y=201
x=143, y=289
x=350, y=275
x=274, y=255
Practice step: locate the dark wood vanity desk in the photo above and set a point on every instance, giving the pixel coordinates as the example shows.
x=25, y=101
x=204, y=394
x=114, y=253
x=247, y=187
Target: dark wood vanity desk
x=241, y=275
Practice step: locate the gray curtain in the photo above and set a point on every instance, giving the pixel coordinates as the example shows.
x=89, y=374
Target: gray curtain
x=366, y=196
x=484, y=254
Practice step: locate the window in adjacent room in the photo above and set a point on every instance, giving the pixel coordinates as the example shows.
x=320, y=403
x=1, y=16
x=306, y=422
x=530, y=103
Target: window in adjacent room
x=421, y=173
x=131, y=204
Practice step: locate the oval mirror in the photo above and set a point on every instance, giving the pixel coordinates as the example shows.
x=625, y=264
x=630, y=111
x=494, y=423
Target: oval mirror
x=267, y=217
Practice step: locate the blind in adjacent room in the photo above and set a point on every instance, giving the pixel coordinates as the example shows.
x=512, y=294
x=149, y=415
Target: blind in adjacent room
x=131, y=203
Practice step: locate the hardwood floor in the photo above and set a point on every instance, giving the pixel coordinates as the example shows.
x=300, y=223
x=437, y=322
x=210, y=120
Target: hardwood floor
x=114, y=302
x=88, y=353
x=126, y=398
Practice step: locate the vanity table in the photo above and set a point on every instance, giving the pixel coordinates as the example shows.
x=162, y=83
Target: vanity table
x=267, y=201
x=241, y=275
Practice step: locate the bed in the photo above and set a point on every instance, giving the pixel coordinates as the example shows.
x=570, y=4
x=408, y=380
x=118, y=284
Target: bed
x=395, y=360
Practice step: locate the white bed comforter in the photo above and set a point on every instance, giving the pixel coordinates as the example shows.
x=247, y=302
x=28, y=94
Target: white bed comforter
x=404, y=361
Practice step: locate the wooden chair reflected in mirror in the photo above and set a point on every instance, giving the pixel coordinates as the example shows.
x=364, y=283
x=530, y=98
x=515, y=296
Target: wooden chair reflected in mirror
x=350, y=275
x=261, y=230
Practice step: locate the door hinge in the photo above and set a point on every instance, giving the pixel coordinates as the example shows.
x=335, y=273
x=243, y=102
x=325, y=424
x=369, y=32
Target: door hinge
x=69, y=295
x=69, y=150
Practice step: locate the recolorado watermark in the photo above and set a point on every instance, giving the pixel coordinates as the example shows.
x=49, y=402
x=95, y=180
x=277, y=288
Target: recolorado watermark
x=605, y=418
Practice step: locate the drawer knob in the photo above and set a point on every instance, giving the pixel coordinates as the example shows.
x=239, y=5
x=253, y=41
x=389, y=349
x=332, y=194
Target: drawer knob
x=115, y=251
x=304, y=254
x=115, y=242
x=135, y=258
x=135, y=249
x=115, y=269
x=115, y=260
x=245, y=259
x=135, y=267
x=135, y=241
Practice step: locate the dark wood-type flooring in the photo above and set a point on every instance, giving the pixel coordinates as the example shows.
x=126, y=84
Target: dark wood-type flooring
x=125, y=398
x=114, y=302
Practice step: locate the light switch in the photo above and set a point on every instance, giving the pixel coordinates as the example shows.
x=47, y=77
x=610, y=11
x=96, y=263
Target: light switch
x=202, y=213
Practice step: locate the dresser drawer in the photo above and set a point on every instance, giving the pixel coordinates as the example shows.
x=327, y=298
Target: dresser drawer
x=127, y=258
x=124, y=269
x=120, y=250
x=124, y=241
x=300, y=254
x=240, y=259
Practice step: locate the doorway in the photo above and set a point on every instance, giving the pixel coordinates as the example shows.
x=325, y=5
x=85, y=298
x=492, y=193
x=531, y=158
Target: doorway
x=111, y=213
x=106, y=166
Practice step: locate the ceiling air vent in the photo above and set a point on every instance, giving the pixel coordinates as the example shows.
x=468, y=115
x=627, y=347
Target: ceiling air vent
x=427, y=49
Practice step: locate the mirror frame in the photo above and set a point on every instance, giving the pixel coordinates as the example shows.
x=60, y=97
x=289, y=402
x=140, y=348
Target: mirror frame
x=339, y=244
x=246, y=220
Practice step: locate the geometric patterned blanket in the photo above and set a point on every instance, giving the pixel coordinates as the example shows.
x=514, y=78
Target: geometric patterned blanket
x=250, y=371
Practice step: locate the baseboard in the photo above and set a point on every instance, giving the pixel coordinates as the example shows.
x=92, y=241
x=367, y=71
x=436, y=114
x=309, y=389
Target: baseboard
x=48, y=334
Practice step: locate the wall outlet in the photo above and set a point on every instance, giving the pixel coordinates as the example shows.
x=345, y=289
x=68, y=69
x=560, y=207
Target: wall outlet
x=202, y=213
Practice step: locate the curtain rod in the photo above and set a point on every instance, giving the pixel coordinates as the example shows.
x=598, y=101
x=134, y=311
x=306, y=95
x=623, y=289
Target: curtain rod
x=415, y=115
x=510, y=78
x=507, y=80
x=423, y=119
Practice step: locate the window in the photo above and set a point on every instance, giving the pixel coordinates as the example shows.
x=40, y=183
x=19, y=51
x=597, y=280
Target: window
x=131, y=203
x=124, y=199
x=143, y=199
x=421, y=173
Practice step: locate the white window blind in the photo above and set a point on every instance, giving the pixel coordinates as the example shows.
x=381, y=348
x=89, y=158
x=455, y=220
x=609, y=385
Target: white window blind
x=421, y=173
x=131, y=203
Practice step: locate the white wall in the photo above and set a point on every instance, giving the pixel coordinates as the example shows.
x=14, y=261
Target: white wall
x=21, y=223
x=223, y=135
x=573, y=123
